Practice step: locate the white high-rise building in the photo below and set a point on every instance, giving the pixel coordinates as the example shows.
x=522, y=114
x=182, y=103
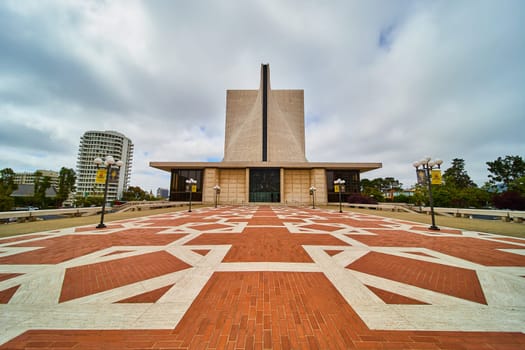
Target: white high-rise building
x=95, y=144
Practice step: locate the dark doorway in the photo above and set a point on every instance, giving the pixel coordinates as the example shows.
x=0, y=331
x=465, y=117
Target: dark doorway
x=179, y=189
x=265, y=185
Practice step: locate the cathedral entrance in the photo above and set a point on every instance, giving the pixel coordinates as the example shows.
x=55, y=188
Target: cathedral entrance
x=265, y=185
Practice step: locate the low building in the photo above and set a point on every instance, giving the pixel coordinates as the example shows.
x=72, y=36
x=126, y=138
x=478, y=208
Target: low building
x=163, y=193
x=28, y=178
x=28, y=190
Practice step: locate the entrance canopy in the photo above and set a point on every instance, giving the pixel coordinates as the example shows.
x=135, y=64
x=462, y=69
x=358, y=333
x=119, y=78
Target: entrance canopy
x=361, y=167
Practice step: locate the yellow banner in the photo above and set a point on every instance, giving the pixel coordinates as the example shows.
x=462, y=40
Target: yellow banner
x=336, y=188
x=436, y=177
x=101, y=176
x=193, y=188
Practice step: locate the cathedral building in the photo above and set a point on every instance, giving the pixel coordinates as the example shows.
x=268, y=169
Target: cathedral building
x=264, y=156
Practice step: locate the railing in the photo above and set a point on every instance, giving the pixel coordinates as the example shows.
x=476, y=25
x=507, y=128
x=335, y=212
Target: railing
x=505, y=215
x=140, y=205
x=382, y=206
x=30, y=215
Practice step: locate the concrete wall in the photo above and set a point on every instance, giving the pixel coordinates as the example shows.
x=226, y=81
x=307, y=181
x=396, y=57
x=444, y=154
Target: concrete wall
x=211, y=178
x=243, y=132
x=233, y=186
x=234, y=183
x=318, y=179
x=244, y=125
x=296, y=186
x=286, y=126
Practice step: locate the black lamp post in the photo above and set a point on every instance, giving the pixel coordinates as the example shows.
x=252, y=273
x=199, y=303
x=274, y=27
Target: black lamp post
x=340, y=188
x=190, y=183
x=427, y=166
x=312, y=193
x=109, y=162
x=217, y=189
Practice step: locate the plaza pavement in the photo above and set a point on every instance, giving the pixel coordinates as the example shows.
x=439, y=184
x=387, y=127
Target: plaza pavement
x=260, y=277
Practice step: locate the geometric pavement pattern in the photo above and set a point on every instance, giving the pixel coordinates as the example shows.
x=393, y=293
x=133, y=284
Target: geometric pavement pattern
x=262, y=277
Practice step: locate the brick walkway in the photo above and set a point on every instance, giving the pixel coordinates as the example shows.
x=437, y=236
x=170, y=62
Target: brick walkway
x=262, y=278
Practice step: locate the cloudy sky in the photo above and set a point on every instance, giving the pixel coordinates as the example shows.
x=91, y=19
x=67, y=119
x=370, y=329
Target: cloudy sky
x=384, y=81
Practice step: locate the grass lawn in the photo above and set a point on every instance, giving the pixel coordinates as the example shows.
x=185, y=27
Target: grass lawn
x=490, y=226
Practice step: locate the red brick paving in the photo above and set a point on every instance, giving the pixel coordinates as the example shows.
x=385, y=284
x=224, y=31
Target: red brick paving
x=6, y=276
x=58, y=249
x=333, y=252
x=319, y=227
x=20, y=238
x=117, y=252
x=479, y=251
x=173, y=222
x=201, y=251
x=362, y=223
x=7, y=294
x=515, y=240
x=256, y=310
x=450, y=280
x=421, y=254
x=266, y=244
x=148, y=297
x=392, y=298
x=94, y=278
x=268, y=310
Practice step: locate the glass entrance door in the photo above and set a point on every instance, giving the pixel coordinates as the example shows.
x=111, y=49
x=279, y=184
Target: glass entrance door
x=265, y=185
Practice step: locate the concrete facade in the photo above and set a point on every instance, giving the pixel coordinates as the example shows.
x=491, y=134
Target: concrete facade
x=264, y=124
x=265, y=142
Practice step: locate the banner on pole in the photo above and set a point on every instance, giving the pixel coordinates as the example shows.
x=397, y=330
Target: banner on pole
x=421, y=177
x=113, y=175
x=436, y=177
x=101, y=176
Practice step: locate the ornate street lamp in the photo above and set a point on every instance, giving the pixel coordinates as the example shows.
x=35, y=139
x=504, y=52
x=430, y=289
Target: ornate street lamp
x=217, y=189
x=312, y=193
x=429, y=167
x=339, y=187
x=108, y=163
x=191, y=182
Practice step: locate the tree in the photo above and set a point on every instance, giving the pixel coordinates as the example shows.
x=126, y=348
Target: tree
x=66, y=184
x=518, y=185
x=509, y=200
x=7, y=187
x=372, y=189
x=508, y=174
x=507, y=170
x=379, y=187
x=457, y=176
x=135, y=193
x=89, y=201
x=42, y=183
x=458, y=190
